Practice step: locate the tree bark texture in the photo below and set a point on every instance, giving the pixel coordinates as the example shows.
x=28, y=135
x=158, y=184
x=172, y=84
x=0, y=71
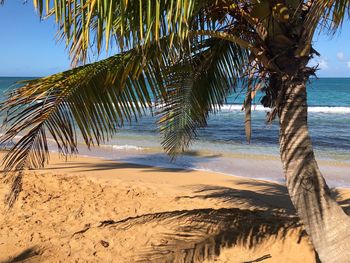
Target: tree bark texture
x=324, y=220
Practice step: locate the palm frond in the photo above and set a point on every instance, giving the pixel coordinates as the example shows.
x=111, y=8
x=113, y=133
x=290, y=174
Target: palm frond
x=196, y=86
x=126, y=24
x=327, y=15
x=96, y=98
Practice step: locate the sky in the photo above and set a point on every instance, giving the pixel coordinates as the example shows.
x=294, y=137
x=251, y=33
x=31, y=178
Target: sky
x=28, y=46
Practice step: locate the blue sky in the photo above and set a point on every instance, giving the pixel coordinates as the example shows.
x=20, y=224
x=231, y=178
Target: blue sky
x=28, y=46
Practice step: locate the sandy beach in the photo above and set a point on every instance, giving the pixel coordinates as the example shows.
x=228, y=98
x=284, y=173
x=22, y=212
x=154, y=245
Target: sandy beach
x=95, y=210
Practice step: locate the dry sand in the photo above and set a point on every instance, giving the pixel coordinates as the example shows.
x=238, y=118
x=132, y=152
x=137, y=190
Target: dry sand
x=93, y=210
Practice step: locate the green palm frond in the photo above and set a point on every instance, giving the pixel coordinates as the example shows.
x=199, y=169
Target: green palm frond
x=126, y=24
x=196, y=86
x=326, y=14
x=96, y=98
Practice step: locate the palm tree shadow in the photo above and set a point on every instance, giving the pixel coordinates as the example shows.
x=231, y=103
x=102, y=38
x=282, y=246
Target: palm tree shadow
x=265, y=200
x=201, y=234
x=28, y=255
x=345, y=203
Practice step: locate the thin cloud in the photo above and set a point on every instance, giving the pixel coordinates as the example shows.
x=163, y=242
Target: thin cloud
x=340, y=56
x=322, y=64
x=348, y=64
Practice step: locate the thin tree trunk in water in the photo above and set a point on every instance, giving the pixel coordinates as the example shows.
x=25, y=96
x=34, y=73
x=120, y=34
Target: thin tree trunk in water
x=324, y=220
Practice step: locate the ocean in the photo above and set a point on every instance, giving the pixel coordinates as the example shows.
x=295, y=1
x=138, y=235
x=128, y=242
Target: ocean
x=222, y=147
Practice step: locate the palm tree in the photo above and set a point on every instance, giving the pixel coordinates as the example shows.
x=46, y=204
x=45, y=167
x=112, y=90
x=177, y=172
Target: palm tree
x=183, y=58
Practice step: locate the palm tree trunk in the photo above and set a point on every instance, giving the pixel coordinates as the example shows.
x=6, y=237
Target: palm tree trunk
x=325, y=222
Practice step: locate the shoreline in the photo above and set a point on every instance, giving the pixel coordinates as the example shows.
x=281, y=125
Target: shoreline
x=98, y=210
x=266, y=166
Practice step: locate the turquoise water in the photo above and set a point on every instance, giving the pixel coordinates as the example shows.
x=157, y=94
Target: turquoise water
x=222, y=143
x=324, y=92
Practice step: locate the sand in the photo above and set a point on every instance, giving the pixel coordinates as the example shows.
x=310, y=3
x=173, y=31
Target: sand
x=94, y=210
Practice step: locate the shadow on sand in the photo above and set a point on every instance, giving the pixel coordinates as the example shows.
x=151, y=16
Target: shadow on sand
x=265, y=200
x=29, y=255
x=110, y=165
x=201, y=234
x=345, y=203
x=135, y=162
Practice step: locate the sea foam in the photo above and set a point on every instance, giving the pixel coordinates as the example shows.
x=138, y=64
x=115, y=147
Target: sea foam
x=321, y=109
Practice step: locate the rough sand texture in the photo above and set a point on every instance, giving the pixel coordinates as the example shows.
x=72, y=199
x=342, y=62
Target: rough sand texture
x=92, y=210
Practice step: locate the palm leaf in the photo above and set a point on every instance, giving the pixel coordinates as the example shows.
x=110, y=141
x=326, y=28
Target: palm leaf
x=125, y=24
x=196, y=86
x=324, y=15
x=96, y=98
